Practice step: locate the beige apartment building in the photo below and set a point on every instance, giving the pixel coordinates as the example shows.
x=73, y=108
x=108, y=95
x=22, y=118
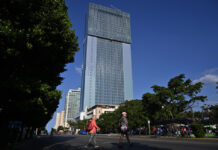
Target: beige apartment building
x=97, y=110
x=59, y=120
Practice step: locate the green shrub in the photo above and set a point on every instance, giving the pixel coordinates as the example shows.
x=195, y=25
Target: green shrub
x=198, y=129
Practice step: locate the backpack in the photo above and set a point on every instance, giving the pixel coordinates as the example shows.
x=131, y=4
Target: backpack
x=89, y=126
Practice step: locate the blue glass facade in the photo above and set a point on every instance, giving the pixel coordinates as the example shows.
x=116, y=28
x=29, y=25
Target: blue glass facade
x=109, y=81
x=107, y=68
x=108, y=23
x=72, y=104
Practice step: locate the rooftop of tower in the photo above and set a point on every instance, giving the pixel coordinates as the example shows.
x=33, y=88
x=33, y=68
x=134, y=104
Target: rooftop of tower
x=108, y=23
x=109, y=10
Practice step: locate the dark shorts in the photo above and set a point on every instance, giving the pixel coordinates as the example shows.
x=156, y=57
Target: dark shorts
x=124, y=132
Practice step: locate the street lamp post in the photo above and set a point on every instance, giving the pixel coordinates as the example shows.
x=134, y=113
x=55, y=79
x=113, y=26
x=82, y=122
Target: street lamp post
x=149, y=128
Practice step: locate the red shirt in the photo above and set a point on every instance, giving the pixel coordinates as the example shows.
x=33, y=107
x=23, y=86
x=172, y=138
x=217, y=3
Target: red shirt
x=94, y=127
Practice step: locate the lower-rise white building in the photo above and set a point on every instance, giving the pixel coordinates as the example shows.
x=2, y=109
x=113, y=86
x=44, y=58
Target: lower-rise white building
x=72, y=105
x=96, y=110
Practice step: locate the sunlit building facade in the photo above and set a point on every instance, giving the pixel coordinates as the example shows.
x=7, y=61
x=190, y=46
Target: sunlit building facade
x=72, y=105
x=107, y=66
x=59, y=120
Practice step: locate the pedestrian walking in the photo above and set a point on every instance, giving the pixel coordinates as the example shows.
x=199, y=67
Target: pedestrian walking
x=91, y=127
x=123, y=124
x=155, y=131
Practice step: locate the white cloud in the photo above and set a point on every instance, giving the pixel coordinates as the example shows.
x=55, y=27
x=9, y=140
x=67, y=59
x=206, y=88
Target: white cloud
x=211, y=102
x=211, y=71
x=207, y=79
x=79, y=70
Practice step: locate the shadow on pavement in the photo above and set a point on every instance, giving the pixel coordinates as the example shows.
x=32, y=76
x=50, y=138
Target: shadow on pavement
x=136, y=146
x=66, y=143
x=112, y=146
x=40, y=143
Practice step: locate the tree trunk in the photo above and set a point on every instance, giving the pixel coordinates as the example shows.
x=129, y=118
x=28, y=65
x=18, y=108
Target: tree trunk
x=171, y=114
x=27, y=133
x=31, y=133
x=36, y=131
x=21, y=133
x=4, y=119
x=4, y=138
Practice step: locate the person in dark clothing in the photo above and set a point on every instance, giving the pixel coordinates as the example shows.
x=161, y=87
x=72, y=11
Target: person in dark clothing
x=123, y=124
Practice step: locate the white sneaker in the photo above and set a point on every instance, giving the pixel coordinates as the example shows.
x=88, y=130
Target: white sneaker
x=96, y=146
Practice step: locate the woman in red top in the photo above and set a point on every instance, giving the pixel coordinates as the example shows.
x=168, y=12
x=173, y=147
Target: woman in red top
x=92, y=127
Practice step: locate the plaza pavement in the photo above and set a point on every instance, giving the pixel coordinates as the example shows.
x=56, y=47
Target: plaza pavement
x=110, y=142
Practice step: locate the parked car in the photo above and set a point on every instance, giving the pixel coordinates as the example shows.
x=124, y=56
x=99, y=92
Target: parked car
x=82, y=132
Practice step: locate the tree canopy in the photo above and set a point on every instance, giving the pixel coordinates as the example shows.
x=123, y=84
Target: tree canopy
x=60, y=128
x=80, y=124
x=173, y=101
x=36, y=42
x=211, y=112
x=168, y=102
x=135, y=115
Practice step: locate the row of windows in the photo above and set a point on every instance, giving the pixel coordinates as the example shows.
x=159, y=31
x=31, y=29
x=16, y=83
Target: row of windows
x=73, y=104
x=108, y=10
x=108, y=25
x=109, y=75
x=115, y=102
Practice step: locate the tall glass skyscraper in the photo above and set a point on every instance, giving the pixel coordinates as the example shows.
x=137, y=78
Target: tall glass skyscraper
x=107, y=66
x=72, y=104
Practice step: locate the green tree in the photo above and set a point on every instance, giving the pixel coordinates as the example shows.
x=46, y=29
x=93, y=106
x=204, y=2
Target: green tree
x=73, y=124
x=36, y=42
x=168, y=102
x=108, y=121
x=214, y=113
x=135, y=115
x=60, y=128
x=198, y=129
x=81, y=124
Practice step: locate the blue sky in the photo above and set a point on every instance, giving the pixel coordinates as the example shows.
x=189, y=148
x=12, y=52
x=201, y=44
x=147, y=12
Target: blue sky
x=169, y=37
